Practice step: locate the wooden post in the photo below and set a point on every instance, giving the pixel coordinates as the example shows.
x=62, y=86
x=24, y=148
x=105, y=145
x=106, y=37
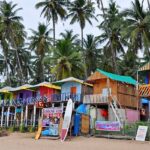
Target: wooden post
x=53, y=105
x=2, y=116
x=8, y=112
x=108, y=87
x=22, y=115
x=34, y=115
x=26, y=116
x=62, y=106
x=15, y=115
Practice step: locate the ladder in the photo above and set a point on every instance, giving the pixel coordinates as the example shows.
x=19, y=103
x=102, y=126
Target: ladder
x=115, y=108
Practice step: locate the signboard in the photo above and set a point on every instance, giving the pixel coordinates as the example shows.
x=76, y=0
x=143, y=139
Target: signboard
x=141, y=133
x=40, y=104
x=85, y=124
x=107, y=125
x=51, y=120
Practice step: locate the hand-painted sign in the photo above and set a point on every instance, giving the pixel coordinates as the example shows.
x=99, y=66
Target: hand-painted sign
x=107, y=125
x=141, y=133
x=51, y=120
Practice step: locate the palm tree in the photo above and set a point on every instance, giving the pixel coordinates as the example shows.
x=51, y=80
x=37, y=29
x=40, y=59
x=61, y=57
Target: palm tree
x=12, y=30
x=111, y=32
x=137, y=27
x=68, y=35
x=81, y=11
x=91, y=53
x=51, y=9
x=40, y=43
x=129, y=63
x=66, y=60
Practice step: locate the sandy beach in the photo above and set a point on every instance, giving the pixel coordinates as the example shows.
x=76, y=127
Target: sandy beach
x=20, y=141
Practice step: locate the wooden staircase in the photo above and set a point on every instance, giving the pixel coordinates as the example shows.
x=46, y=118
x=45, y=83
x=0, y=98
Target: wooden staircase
x=144, y=90
x=114, y=103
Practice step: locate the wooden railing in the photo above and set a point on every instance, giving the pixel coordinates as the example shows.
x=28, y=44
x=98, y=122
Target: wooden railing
x=96, y=98
x=144, y=90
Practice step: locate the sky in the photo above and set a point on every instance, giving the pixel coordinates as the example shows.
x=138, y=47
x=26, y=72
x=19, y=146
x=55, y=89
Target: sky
x=32, y=17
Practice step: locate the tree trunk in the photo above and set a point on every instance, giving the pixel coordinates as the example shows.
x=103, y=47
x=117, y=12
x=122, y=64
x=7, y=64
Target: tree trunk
x=19, y=64
x=81, y=37
x=111, y=45
x=148, y=3
x=53, y=30
x=5, y=59
x=84, y=57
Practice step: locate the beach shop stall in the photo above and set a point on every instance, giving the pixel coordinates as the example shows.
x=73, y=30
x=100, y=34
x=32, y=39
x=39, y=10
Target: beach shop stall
x=114, y=98
x=144, y=91
x=6, y=108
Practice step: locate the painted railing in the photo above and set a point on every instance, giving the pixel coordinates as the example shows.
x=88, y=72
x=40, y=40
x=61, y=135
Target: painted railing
x=144, y=90
x=96, y=98
x=33, y=100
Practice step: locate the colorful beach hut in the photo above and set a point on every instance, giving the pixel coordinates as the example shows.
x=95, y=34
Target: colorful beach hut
x=73, y=88
x=115, y=92
x=144, y=91
x=6, y=108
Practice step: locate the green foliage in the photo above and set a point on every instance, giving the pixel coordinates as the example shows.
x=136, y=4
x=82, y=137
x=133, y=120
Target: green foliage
x=31, y=129
x=123, y=34
x=22, y=128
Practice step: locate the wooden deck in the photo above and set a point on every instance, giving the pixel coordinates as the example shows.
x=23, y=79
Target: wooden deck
x=95, y=99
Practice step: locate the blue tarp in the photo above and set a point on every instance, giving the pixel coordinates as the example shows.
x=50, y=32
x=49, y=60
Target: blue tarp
x=81, y=109
x=77, y=118
x=144, y=101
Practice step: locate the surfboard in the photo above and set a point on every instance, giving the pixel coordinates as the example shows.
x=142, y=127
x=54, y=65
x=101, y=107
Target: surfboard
x=67, y=120
x=38, y=134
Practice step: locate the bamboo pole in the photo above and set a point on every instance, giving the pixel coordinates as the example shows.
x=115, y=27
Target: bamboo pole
x=8, y=112
x=15, y=115
x=26, y=116
x=2, y=116
x=22, y=115
x=34, y=115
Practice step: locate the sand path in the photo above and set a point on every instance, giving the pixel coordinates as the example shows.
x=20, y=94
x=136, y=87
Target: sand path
x=19, y=141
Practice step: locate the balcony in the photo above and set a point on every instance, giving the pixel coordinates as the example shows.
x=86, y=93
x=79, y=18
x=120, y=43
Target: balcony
x=144, y=90
x=50, y=98
x=95, y=99
x=65, y=97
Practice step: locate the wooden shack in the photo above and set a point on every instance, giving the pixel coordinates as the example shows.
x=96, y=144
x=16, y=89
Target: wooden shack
x=74, y=88
x=121, y=87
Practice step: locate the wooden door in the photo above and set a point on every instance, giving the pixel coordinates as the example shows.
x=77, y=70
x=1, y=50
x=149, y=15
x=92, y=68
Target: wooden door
x=73, y=90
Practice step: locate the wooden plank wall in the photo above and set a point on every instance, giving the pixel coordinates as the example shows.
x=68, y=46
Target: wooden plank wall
x=127, y=95
x=99, y=85
x=95, y=76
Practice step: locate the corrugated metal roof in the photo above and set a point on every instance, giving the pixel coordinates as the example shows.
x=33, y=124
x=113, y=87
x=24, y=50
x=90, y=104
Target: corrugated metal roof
x=6, y=89
x=70, y=79
x=47, y=84
x=126, y=79
x=146, y=67
x=23, y=87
